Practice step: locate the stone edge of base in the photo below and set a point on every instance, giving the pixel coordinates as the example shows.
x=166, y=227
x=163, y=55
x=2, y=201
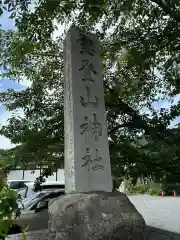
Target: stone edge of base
x=151, y=233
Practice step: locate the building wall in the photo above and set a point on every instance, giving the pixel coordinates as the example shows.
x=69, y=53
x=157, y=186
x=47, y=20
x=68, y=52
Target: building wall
x=19, y=174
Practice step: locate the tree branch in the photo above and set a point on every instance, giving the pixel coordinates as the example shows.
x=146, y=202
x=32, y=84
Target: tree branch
x=136, y=120
x=122, y=107
x=114, y=129
x=167, y=9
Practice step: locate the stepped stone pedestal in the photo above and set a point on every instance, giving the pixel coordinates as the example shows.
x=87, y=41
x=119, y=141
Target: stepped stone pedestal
x=89, y=211
x=95, y=216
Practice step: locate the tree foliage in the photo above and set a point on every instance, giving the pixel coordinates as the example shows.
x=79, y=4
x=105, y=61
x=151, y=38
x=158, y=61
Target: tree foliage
x=141, y=52
x=8, y=209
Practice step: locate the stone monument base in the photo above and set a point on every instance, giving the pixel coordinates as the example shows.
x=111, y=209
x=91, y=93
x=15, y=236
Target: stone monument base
x=95, y=216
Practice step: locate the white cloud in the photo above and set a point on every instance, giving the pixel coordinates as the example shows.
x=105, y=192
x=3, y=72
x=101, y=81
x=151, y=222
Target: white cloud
x=166, y=103
x=25, y=82
x=161, y=104
x=5, y=115
x=176, y=99
x=62, y=29
x=5, y=143
x=59, y=30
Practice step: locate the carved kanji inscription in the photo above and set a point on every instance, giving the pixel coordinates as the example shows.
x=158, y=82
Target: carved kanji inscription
x=88, y=71
x=91, y=128
x=86, y=44
x=88, y=102
x=90, y=163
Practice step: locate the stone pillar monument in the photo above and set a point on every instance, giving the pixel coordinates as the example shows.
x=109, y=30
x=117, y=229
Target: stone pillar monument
x=87, y=163
x=89, y=209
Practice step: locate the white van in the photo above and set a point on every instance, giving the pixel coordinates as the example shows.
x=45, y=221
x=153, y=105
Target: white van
x=17, y=184
x=48, y=185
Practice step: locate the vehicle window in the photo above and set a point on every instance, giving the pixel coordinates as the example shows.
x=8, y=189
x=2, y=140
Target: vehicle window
x=47, y=197
x=17, y=184
x=56, y=194
x=25, y=192
x=29, y=191
x=14, y=185
x=53, y=186
x=36, y=201
x=32, y=199
x=22, y=185
x=52, y=195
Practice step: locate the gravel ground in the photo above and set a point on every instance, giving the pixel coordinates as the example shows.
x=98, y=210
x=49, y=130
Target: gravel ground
x=159, y=212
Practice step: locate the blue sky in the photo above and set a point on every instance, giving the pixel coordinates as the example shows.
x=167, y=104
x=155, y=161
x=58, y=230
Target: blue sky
x=8, y=84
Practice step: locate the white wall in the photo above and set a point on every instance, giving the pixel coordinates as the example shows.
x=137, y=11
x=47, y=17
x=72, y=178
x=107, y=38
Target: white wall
x=28, y=175
x=15, y=175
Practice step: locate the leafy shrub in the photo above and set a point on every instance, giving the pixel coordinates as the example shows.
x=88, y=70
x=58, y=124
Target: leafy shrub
x=154, y=189
x=138, y=188
x=8, y=208
x=169, y=188
x=150, y=188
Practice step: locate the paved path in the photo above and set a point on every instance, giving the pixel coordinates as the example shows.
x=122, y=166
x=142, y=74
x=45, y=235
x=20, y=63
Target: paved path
x=159, y=212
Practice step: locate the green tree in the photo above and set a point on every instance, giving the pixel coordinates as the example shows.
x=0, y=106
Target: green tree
x=140, y=52
x=8, y=204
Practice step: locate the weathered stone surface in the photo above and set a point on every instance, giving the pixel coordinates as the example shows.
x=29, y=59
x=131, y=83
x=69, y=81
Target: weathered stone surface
x=95, y=216
x=86, y=150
